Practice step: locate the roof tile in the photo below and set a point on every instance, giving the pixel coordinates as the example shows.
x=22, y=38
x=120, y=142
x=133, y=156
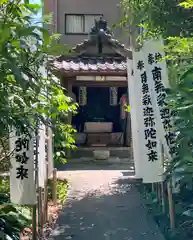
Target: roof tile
x=78, y=64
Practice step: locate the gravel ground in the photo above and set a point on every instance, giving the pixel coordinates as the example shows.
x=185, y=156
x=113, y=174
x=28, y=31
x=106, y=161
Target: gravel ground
x=102, y=205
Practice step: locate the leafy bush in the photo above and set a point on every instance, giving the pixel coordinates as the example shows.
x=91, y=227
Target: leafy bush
x=29, y=93
x=13, y=219
x=63, y=140
x=61, y=188
x=174, y=23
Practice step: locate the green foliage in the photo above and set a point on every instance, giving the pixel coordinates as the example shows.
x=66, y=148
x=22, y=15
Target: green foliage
x=13, y=219
x=186, y=4
x=162, y=16
x=61, y=188
x=30, y=93
x=173, y=20
x=63, y=141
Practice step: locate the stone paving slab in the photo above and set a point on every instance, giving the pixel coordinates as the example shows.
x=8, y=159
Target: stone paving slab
x=101, y=205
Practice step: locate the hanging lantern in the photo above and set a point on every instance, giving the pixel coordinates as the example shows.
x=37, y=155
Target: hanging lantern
x=113, y=96
x=82, y=96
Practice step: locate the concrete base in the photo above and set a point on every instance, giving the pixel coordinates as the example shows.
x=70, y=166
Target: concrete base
x=115, y=139
x=120, y=152
x=110, y=161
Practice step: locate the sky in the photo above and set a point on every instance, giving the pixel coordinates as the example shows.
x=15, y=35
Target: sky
x=39, y=15
x=35, y=1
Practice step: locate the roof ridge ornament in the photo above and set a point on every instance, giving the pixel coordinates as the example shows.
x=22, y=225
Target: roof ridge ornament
x=100, y=28
x=99, y=37
x=100, y=33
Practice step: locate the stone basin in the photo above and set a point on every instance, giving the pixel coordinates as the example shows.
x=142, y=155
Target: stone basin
x=98, y=127
x=101, y=154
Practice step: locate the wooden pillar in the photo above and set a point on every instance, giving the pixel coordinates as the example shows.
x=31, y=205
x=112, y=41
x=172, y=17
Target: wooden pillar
x=128, y=130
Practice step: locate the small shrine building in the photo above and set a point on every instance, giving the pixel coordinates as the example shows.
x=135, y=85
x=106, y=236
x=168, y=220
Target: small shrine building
x=95, y=76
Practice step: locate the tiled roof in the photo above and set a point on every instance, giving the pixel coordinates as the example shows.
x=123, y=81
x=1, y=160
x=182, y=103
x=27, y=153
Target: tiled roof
x=91, y=64
x=111, y=42
x=80, y=60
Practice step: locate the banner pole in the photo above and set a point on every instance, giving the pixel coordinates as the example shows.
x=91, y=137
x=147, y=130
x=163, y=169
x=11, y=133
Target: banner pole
x=46, y=195
x=34, y=210
x=171, y=205
x=152, y=187
x=54, y=190
x=40, y=211
x=34, y=232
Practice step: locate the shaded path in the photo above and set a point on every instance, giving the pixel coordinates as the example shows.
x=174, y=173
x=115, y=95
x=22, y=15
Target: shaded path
x=101, y=205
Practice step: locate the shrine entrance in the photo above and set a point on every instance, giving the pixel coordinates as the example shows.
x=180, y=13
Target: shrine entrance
x=96, y=77
x=99, y=117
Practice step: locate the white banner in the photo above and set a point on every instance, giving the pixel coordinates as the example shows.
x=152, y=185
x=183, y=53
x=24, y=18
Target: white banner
x=22, y=184
x=42, y=156
x=50, y=152
x=158, y=79
x=133, y=87
x=149, y=140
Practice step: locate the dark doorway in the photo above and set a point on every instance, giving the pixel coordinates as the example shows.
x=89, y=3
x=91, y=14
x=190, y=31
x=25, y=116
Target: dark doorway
x=98, y=108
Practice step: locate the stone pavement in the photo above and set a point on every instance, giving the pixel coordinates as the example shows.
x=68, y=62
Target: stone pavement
x=101, y=205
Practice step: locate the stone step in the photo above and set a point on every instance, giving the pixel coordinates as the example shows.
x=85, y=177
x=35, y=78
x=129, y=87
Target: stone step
x=111, y=160
x=120, y=152
x=86, y=163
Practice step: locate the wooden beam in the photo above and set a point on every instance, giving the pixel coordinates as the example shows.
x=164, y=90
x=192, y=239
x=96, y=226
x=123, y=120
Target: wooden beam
x=66, y=80
x=64, y=73
x=101, y=84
